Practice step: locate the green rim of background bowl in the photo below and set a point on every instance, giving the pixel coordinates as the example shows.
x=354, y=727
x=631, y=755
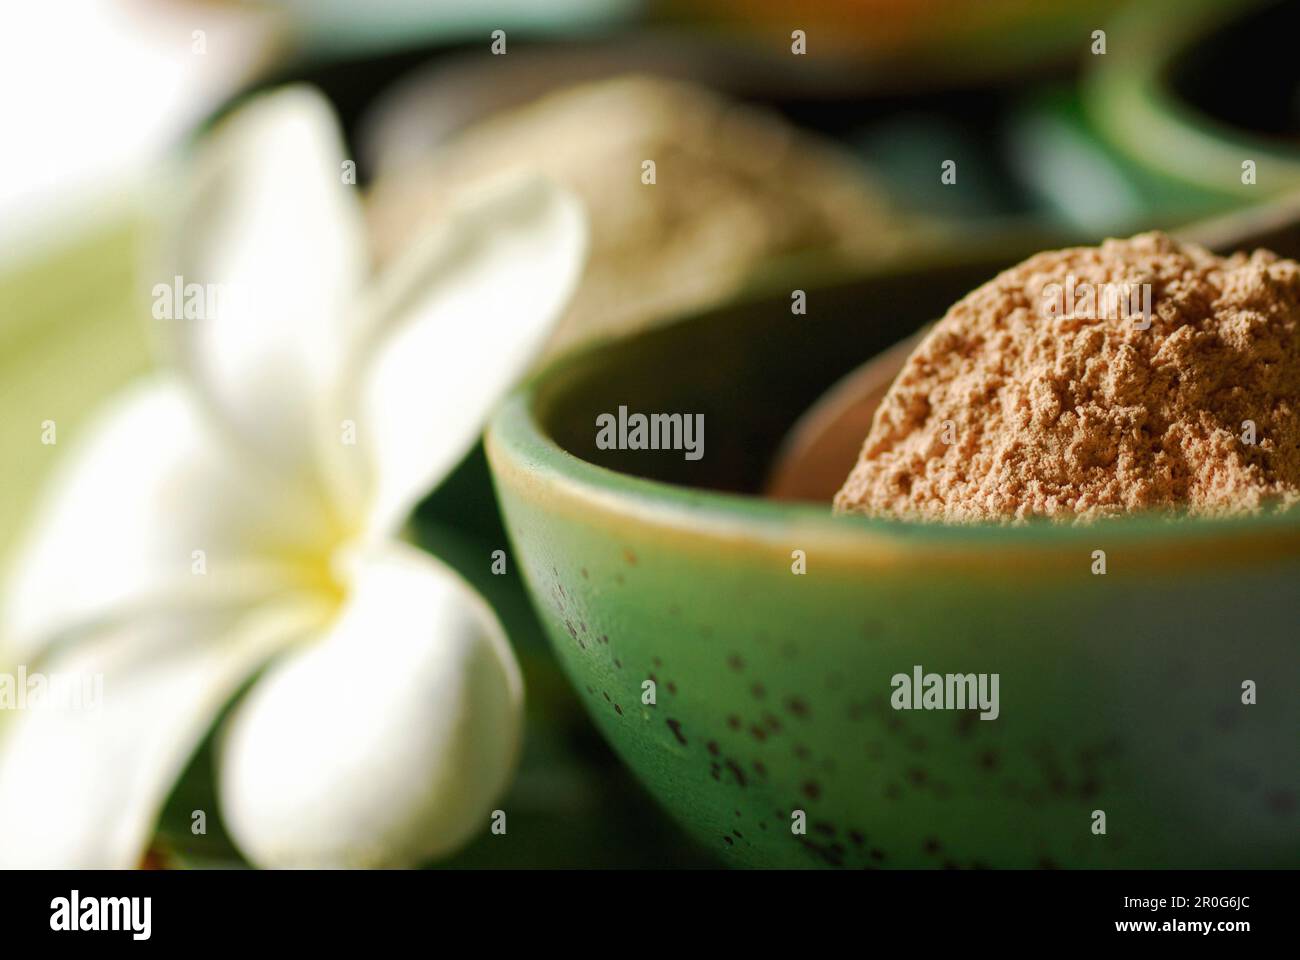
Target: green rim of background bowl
x=1132, y=106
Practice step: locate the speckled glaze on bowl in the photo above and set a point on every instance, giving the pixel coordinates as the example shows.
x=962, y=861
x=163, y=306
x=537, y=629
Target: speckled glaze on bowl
x=1119, y=693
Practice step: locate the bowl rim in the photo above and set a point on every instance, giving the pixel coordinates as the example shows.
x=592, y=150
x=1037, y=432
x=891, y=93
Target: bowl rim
x=524, y=457
x=1127, y=98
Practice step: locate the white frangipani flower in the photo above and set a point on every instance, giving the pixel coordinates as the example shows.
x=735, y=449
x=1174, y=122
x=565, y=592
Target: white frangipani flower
x=387, y=719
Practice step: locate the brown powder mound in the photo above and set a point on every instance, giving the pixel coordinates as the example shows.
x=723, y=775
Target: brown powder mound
x=1025, y=403
x=738, y=189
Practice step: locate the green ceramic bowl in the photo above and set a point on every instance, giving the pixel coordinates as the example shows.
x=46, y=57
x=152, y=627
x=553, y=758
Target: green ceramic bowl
x=1189, y=89
x=1119, y=694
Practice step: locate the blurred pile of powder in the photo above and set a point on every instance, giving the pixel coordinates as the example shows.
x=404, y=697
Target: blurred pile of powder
x=1013, y=408
x=739, y=193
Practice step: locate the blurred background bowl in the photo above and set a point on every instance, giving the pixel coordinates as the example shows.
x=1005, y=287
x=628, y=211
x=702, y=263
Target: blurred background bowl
x=1192, y=90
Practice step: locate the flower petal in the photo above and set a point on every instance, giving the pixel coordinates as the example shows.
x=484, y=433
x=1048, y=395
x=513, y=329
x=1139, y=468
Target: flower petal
x=82, y=782
x=270, y=222
x=463, y=315
x=145, y=487
x=386, y=742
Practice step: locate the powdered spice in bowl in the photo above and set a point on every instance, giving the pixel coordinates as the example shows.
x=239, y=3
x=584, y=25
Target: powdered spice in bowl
x=1091, y=382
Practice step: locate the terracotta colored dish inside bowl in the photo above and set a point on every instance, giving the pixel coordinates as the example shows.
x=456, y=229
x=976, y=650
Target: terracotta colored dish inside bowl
x=823, y=445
